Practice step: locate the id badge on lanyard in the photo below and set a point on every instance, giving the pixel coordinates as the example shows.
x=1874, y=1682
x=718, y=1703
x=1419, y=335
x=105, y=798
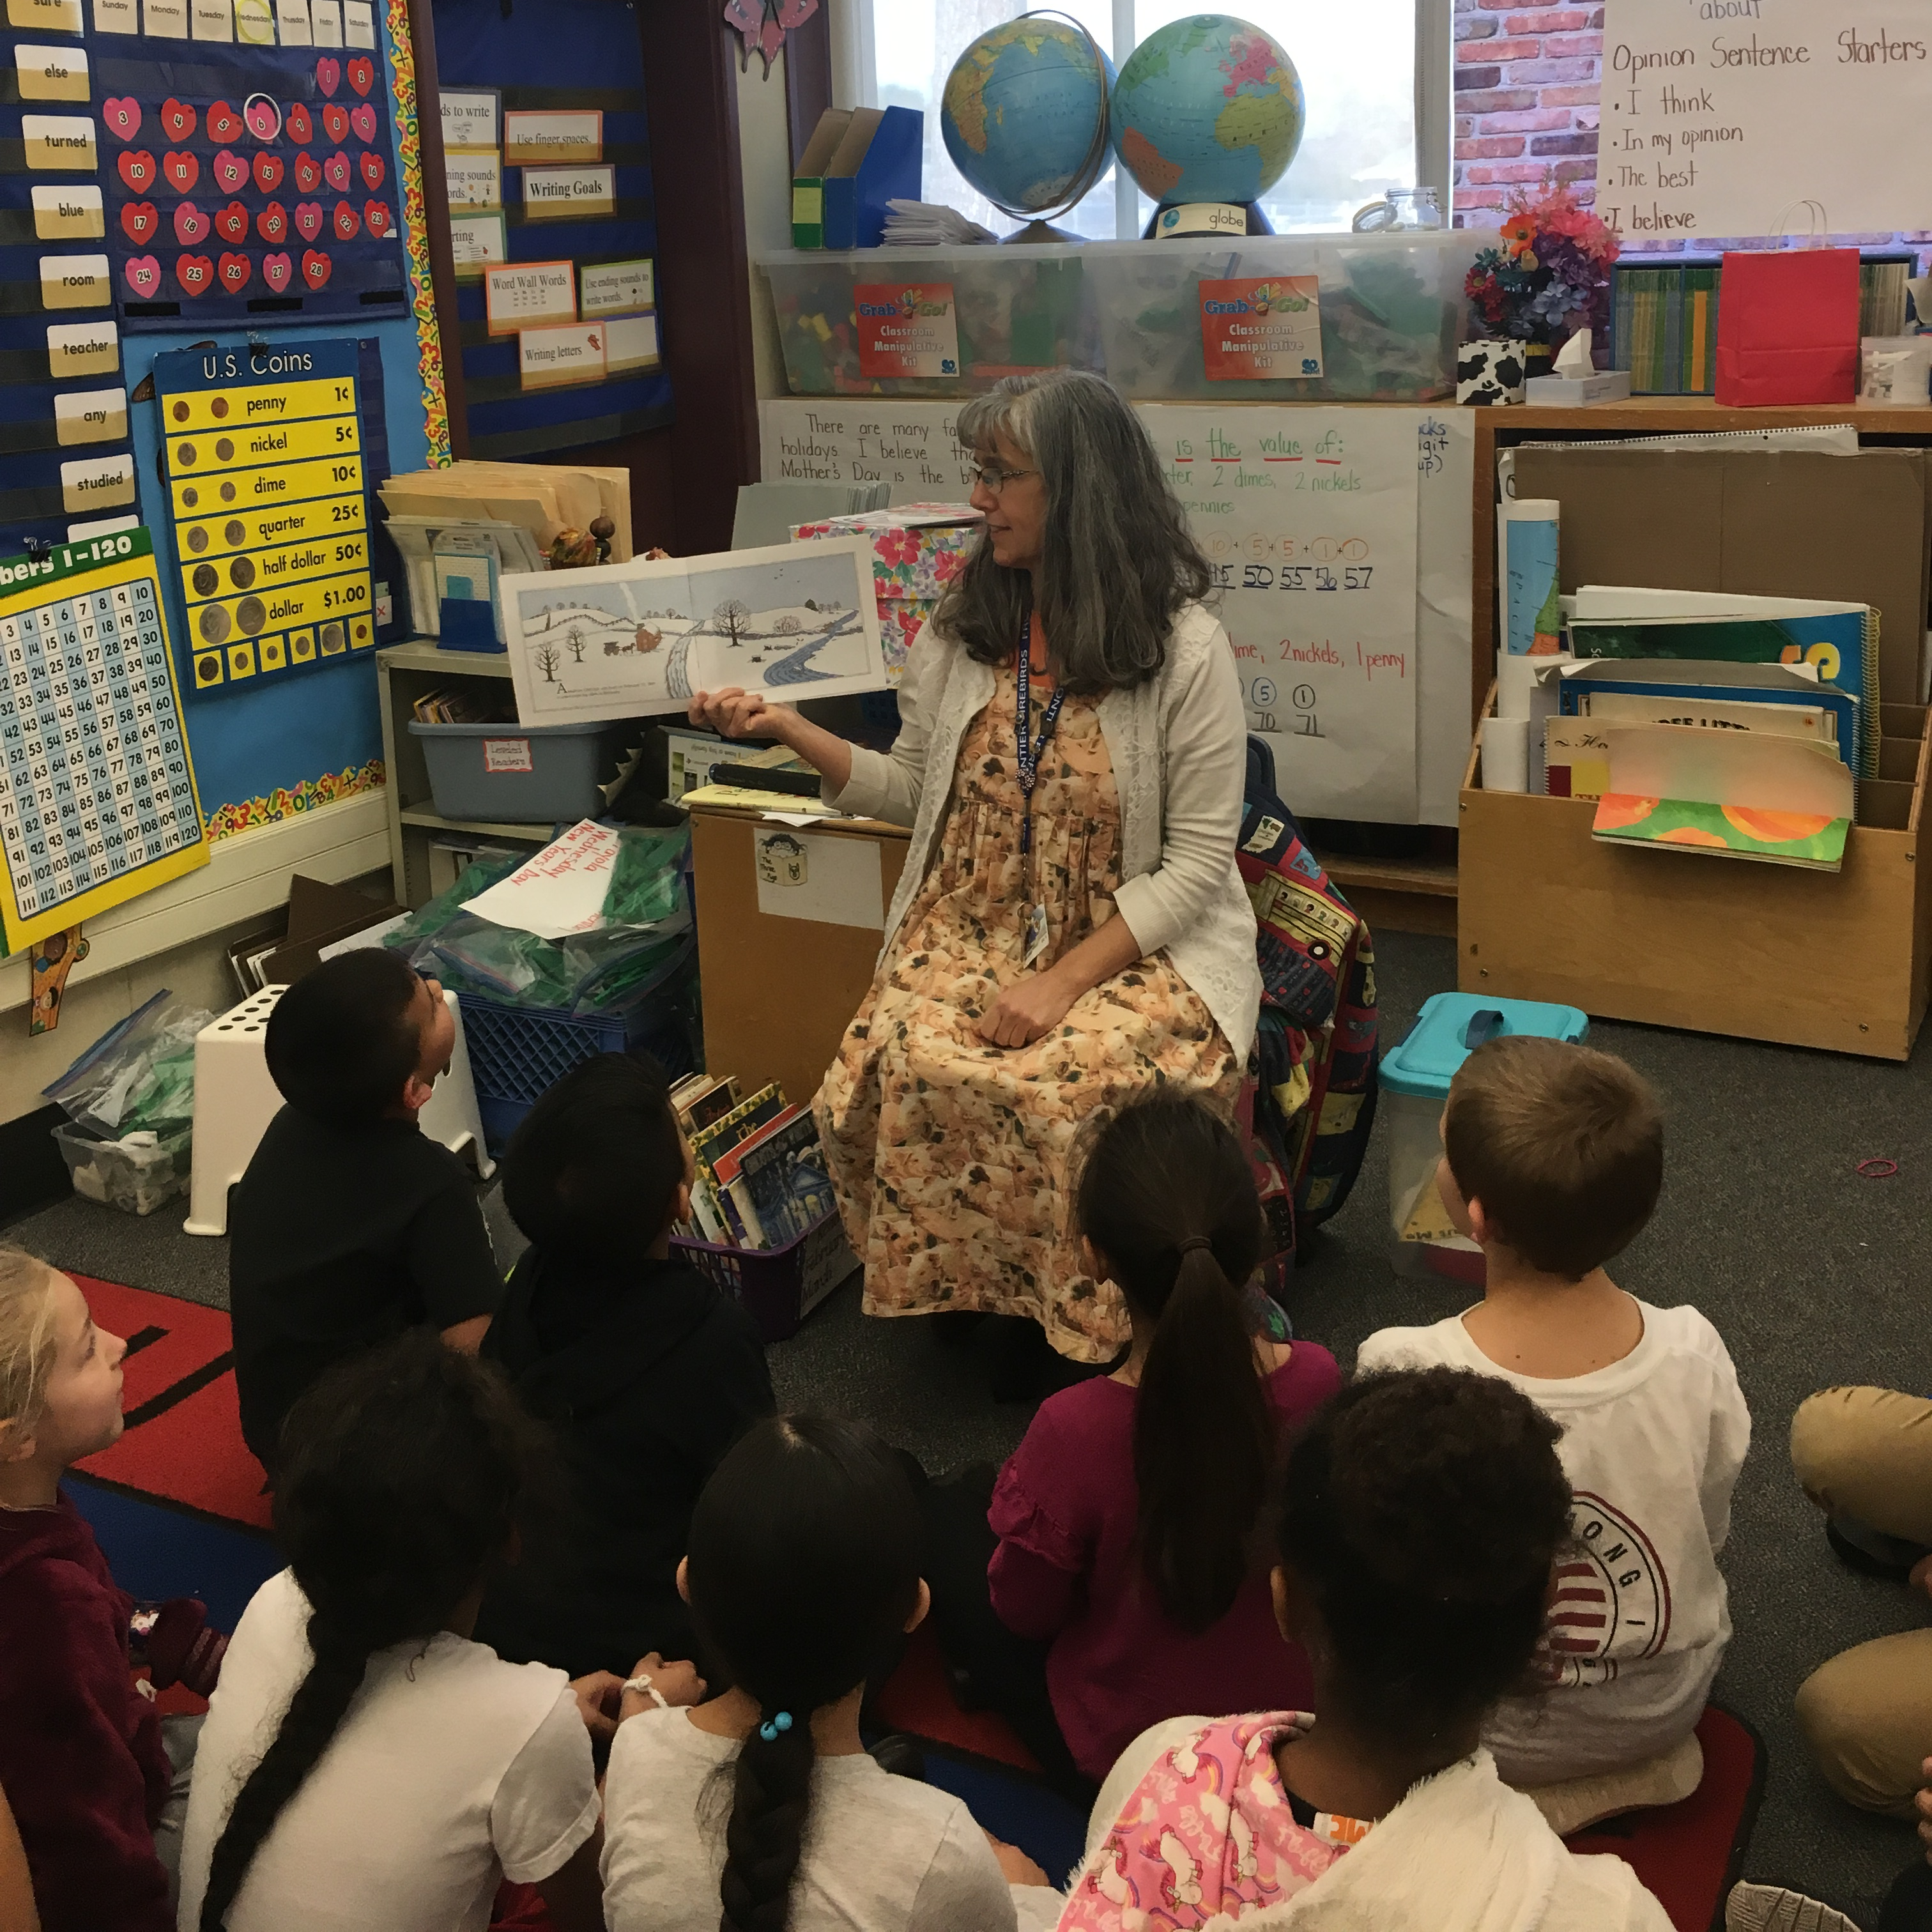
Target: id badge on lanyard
x=1033, y=938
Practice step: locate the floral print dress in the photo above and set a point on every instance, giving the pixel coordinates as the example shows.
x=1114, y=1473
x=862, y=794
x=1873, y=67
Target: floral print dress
x=950, y=1156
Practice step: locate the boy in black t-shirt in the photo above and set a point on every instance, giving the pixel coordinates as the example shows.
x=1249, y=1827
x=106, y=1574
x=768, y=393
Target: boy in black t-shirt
x=350, y=1226
x=648, y=1373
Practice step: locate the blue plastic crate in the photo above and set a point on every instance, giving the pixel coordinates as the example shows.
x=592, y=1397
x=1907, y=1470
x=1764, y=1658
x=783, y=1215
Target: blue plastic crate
x=517, y=1053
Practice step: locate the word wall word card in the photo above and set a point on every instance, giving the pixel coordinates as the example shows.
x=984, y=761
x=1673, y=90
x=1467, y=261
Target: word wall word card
x=97, y=800
x=268, y=495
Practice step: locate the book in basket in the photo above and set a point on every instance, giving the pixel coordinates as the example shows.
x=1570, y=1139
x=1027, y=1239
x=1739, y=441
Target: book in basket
x=709, y=1143
x=777, y=1180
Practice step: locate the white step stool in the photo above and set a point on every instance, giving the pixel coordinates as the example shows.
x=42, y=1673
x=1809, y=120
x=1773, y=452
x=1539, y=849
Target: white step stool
x=235, y=1099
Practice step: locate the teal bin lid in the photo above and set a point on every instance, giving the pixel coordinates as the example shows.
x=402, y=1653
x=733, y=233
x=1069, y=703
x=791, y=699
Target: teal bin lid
x=1443, y=1037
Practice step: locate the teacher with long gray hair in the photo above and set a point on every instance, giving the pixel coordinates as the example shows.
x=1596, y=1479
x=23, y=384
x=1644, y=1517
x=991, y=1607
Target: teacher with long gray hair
x=1070, y=925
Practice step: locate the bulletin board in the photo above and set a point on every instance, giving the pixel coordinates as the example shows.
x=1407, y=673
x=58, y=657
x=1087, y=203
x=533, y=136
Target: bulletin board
x=552, y=228
x=82, y=431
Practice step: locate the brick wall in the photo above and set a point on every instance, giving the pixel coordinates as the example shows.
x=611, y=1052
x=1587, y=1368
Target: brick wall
x=1526, y=85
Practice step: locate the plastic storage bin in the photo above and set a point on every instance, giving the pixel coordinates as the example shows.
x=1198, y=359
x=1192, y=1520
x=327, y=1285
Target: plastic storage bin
x=136, y=1174
x=1392, y=307
x=523, y=774
x=1415, y=1082
x=1019, y=308
x=778, y=1287
x=516, y=1053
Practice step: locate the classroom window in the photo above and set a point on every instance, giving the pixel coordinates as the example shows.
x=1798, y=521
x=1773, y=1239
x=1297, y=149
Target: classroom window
x=1360, y=140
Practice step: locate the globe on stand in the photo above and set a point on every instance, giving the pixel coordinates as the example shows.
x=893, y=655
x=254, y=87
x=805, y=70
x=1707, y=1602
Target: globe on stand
x=1024, y=115
x=1206, y=115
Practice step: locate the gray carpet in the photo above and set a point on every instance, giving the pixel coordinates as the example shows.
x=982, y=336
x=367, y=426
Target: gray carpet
x=1813, y=1276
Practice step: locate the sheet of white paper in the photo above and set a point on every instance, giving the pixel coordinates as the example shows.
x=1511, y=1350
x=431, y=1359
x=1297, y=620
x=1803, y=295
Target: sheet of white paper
x=799, y=818
x=628, y=640
x=370, y=935
x=1307, y=518
x=561, y=890
x=1701, y=104
x=834, y=881
x=1445, y=462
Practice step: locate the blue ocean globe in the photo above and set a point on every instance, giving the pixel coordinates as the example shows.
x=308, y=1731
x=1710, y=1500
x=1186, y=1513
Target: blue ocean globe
x=1024, y=114
x=1208, y=108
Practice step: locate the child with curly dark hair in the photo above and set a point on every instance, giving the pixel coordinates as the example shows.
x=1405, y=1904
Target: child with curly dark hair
x=1423, y=1517
x=761, y=1811
x=363, y=1763
x=1553, y=1162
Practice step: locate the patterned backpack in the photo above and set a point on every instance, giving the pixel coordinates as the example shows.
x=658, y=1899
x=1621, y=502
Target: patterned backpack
x=1316, y=1051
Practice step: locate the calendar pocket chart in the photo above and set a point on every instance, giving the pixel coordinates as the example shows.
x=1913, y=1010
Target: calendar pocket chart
x=268, y=493
x=246, y=184
x=98, y=799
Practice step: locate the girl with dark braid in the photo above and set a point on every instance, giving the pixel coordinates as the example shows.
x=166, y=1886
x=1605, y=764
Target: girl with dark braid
x=761, y=1811
x=364, y=1766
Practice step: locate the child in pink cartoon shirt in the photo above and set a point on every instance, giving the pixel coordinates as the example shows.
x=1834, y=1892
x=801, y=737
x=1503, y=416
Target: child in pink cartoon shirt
x=1424, y=1512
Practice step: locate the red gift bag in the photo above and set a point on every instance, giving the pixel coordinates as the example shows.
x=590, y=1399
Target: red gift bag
x=1788, y=327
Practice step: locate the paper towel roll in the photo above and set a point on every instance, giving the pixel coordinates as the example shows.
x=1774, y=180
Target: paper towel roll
x=1527, y=536
x=1506, y=755
x=1516, y=683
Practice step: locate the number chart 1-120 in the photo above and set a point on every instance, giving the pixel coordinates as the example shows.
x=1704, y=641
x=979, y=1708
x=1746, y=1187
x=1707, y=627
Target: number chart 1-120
x=268, y=490
x=97, y=789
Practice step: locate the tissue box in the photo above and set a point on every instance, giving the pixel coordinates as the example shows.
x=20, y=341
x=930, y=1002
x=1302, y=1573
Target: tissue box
x=1569, y=392
x=917, y=550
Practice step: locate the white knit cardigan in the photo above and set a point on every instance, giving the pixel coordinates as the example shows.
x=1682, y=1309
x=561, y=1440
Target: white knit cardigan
x=1179, y=747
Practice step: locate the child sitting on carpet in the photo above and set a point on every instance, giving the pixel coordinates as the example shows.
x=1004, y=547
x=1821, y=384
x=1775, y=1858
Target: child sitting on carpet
x=89, y=1766
x=350, y=1224
x=1553, y=1161
x=803, y=1568
x=364, y=1763
x=646, y=1372
x=1126, y=1520
x=1423, y=1516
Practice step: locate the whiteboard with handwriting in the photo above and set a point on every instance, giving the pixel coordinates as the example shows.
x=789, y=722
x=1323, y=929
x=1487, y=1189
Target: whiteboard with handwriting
x=1307, y=518
x=1719, y=117
x=1390, y=747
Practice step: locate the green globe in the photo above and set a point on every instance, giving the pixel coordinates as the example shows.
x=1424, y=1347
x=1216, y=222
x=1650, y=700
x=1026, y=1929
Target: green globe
x=1021, y=111
x=1208, y=109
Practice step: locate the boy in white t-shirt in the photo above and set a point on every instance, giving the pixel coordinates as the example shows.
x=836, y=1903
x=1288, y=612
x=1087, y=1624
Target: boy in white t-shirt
x=1553, y=1160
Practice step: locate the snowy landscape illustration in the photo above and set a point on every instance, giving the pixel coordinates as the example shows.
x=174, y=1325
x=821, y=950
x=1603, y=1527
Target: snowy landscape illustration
x=624, y=640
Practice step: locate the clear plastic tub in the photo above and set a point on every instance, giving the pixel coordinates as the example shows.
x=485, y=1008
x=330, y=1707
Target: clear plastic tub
x=1414, y=1080
x=136, y=1174
x=1018, y=309
x=524, y=774
x=1392, y=311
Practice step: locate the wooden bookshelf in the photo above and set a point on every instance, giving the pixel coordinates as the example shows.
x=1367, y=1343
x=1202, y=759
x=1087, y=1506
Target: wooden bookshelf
x=1878, y=424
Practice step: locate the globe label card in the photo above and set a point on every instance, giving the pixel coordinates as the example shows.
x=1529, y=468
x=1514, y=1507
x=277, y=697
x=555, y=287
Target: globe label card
x=1268, y=327
x=907, y=331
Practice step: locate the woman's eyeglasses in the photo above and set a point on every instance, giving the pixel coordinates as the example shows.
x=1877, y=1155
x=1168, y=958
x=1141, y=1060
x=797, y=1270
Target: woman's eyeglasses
x=995, y=476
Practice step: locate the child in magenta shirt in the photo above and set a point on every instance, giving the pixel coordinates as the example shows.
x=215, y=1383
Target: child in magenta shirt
x=1126, y=1519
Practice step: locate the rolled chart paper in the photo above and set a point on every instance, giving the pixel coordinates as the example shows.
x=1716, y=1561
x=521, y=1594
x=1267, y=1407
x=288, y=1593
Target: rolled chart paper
x=1532, y=622
x=1516, y=683
x=1506, y=755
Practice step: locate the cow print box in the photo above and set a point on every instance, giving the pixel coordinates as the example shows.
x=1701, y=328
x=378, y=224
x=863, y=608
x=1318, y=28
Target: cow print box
x=1490, y=371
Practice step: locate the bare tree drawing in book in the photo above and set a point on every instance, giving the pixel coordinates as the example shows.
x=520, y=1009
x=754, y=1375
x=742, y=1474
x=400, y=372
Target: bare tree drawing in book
x=798, y=620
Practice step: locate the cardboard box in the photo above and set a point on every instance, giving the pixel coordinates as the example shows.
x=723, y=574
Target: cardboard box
x=1772, y=522
x=778, y=993
x=917, y=550
x=1838, y=960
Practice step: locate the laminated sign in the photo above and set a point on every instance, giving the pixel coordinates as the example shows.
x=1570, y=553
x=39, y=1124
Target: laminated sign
x=907, y=330
x=1262, y=327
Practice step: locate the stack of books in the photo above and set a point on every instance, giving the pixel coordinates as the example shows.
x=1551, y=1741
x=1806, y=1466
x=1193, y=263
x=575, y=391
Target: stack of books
x=1664, y=317
x=761, y=1181
x=447, y=706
